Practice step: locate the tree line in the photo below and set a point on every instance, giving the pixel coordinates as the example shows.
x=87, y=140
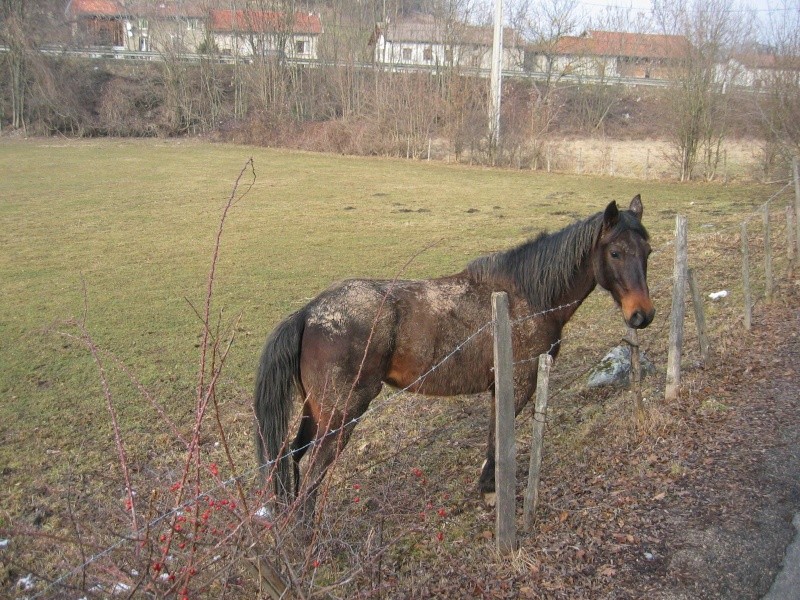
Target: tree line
x=340, y=106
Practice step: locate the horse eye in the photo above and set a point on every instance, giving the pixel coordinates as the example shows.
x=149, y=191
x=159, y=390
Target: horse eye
x=614, y=254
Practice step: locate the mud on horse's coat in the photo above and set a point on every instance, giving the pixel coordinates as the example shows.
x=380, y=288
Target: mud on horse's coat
x=337, y=351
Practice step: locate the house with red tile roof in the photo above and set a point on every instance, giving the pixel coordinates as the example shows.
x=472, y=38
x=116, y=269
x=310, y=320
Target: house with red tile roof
x=265, y=33
x=188, y=26
x=610, y=54
x=98, y=22
x=138, y=25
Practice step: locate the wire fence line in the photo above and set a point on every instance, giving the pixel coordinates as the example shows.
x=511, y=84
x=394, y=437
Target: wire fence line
x=255, y=472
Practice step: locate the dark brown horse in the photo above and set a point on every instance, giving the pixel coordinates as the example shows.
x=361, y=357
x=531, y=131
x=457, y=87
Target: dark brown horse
x=338, y=350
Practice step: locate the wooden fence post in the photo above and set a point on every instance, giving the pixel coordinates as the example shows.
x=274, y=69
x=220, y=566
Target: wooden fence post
x=768, y=282
x=636, y=373
x=678, y=310
x=539, y=419
x=748, y=305
x=505, y=447
x=791, y=242
x=790, y=236
x=699, y=316
x=796, y=173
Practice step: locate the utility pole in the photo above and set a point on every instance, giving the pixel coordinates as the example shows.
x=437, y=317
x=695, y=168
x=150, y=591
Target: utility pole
x=496, y=78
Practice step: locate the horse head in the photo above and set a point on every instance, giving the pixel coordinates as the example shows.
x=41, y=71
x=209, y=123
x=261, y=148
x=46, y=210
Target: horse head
x=620, y=262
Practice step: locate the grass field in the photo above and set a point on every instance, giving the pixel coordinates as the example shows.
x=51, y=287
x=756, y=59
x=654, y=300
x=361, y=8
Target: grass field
x=133, y=224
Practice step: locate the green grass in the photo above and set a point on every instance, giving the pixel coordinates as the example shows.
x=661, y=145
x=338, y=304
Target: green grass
x=134, y=221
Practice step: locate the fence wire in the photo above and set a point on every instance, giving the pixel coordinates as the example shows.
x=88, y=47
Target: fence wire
x=378, y=404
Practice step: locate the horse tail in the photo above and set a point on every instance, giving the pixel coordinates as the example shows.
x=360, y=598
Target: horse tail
x=277, y=382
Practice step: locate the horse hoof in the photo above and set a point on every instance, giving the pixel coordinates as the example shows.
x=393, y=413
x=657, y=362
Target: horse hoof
x=490, y=499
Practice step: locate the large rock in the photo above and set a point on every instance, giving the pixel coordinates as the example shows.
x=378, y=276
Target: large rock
x=615, y=368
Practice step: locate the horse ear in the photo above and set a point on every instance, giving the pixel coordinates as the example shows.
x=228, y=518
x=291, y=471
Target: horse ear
x=636, y=206
x=611, y=215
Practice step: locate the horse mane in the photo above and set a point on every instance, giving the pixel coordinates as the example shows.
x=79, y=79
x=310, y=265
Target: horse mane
x=544, y=268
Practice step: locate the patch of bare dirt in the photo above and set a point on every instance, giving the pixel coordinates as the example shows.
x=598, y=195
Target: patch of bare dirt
x=727, y=536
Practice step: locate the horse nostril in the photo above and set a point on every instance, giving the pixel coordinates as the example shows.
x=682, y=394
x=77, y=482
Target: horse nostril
x=637, y=320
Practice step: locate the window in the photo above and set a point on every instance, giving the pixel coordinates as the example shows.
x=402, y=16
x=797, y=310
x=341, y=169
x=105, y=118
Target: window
x=300, y=46
x=143, y=24
x=427, y=54
x=193, y=24
x=406, y=53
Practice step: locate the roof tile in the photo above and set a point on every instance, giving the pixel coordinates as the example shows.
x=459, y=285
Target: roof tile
x=264, y=21
x=619, y=43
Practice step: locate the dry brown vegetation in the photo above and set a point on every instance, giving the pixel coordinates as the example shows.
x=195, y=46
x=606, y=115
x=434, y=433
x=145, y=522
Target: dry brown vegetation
x=400, y=516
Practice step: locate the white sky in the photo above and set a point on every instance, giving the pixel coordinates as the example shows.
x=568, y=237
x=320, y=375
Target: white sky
x=762, y=8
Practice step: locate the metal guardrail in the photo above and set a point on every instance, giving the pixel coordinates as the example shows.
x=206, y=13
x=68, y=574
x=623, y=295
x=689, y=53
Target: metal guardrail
x=108, y=53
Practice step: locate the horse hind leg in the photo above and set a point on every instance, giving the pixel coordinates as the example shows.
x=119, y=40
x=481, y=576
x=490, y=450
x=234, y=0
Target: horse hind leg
x=302, y=442
x=333, y=431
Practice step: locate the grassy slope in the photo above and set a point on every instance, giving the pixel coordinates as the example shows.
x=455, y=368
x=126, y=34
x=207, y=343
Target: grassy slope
x=136, y=221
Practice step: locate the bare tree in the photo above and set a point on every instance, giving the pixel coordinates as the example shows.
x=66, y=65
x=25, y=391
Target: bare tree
x=778, y=68
x=544, y=25
x=14, y=34
x=620, y=32
x=33, y=79
x=349, y=26
x=699, y=98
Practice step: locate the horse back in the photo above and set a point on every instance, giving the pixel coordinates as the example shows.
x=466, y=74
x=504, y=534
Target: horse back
x=429, y=336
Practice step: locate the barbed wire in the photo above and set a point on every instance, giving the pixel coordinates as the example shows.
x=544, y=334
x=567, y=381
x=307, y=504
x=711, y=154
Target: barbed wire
x=377, y=405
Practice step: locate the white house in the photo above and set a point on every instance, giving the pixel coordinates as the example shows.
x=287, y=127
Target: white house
x=602, y=54
x=425, y=41
x=764, y=70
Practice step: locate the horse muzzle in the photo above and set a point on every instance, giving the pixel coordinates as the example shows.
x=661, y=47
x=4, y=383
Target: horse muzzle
x=638, y=311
